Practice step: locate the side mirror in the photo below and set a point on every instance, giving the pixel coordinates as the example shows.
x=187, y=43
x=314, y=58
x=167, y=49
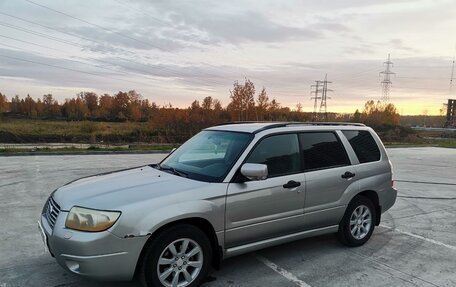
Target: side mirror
x=254, y=171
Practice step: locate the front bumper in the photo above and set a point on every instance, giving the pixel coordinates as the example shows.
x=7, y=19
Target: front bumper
x=98, y=255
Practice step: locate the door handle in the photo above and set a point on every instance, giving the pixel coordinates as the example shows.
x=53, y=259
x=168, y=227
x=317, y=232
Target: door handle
x=348, y=175
x=292, y=184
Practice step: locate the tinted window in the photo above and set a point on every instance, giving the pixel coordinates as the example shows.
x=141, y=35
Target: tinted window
x=280, y=153
x=364, y=145
x=322, y=150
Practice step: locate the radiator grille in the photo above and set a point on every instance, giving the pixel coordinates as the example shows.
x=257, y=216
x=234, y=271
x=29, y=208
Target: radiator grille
x=52, y=211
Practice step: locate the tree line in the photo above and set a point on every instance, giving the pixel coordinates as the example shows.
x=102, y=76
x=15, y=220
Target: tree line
x=246, y=104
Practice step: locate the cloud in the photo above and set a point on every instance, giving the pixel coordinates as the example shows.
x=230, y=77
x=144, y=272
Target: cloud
x=399, y=45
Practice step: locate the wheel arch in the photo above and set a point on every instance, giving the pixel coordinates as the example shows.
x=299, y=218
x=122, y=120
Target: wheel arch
x=198, y=222
x=373, y=197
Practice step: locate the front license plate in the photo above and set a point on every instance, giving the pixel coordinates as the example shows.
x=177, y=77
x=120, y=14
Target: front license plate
x=43, y=236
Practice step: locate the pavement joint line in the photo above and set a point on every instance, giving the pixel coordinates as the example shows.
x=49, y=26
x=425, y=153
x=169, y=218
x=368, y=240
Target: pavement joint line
x=285, y=273
x=417, y=214
x=393, y=269
x=452, y=247
x=424, y=182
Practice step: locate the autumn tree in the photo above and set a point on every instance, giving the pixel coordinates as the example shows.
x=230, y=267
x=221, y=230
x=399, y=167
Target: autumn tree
x=3, y=103
x=106, y=104
x=15, y=104
x=262, y=104
x=90, y=99
x=242, y=104
x=75, y=109
x=120, y=105
x=134, y=111
x=207, y=103
x=217, y=105
x=356, y=116
x=377, y=113
x=48, y=100
x=29, y=106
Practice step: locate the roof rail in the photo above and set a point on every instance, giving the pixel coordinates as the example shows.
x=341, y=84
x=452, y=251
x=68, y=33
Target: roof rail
x=287, y=124
x=328, y=124
x=245, y=122
x=272, y=125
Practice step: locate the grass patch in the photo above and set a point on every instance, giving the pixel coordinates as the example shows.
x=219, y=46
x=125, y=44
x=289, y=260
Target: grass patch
x=436, y=143
x=44, y=131
x=89, y=150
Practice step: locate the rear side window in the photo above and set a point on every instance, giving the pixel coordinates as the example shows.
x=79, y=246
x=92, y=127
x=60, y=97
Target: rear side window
x=364, y=145
x=280, y=153
x=322, y=150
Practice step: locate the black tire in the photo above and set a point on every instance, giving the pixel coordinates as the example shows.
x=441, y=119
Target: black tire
x=344, y=234
x=148, y=274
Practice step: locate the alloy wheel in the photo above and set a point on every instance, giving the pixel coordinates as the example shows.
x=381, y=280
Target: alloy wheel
x=180, y=263
x=360, y=222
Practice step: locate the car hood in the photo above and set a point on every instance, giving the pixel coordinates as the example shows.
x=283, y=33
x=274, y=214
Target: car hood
x=115, y=190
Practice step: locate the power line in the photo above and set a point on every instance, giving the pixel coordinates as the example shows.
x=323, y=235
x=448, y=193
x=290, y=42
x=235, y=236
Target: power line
x=52, y=28
x=36, y=33
x=93, y=24
x=74, y=61
x=179, y=76
x=108, y=30
x=68, y=69
x=27, y=42
x=141, y=11
x=166, y=24
x=167, y=70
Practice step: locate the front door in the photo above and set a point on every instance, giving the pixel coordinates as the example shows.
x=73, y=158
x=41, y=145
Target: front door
x=272, y=207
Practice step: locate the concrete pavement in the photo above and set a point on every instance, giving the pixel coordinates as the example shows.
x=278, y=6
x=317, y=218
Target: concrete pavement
x=414, y=246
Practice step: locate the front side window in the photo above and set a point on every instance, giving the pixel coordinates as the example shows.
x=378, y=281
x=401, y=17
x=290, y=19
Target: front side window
x=208, y=156
x=364, y=145
x=279, y=152
x=322, y=150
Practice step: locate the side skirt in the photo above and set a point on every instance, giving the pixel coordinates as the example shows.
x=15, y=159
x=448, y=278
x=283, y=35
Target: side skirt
x=234, y=251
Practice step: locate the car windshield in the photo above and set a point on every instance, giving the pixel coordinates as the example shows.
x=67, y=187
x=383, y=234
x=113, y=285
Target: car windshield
x=208, y=156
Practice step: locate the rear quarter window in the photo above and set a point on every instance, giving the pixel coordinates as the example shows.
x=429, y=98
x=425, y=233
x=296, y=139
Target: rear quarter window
x=364, y=145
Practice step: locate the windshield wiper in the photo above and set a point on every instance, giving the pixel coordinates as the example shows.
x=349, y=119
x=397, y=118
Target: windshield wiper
x=173, y=170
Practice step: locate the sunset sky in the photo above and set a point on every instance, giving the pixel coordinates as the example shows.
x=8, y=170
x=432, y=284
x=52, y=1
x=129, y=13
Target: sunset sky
x=178, y=51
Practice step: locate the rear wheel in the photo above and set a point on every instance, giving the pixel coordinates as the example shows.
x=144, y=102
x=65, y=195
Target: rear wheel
x=358, y=223
x=179, y=256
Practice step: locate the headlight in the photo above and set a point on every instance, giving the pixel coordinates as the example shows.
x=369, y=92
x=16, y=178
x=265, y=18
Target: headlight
x=85, y=219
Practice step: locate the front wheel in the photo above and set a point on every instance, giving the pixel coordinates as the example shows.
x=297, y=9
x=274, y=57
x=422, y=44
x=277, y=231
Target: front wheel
x=179, y=256
x=358, y=223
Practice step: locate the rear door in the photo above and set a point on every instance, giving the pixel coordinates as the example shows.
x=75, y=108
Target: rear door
x=329, y=174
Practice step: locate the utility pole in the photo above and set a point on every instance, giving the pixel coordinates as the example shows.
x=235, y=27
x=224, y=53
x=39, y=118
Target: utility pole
x=386, y=83
x=324, y=96
x=452, y=72
x=315, y=98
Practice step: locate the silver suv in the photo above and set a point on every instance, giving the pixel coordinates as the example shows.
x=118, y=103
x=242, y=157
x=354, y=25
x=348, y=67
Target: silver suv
x=229, y=190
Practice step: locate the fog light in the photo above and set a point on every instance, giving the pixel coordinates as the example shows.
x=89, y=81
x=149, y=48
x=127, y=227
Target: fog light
x=73, y=266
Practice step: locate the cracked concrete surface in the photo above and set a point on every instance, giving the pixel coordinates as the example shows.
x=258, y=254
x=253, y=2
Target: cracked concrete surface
x=392, y=257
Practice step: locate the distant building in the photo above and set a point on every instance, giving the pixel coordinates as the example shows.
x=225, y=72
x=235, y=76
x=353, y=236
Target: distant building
x=450, y=116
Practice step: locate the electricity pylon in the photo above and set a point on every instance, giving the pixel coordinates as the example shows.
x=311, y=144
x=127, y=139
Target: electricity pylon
x=320, y=93
x=386, y=83
x=315, y=98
